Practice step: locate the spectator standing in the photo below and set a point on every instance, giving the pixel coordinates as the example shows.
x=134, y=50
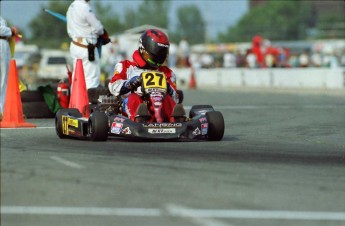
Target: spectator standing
x=257, y=49
x=229, y=60
x=172, y=55
x=183, y=49
x=316, y=59
x=207, y=60
x=85, y=30
x=251, y=60
x=304, y=59
x=5, y=55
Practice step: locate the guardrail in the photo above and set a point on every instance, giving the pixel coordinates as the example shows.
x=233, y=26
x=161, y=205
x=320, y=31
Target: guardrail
x=325, y=78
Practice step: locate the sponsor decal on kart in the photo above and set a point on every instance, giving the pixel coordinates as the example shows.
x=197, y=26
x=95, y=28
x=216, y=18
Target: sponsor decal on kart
x=204, y=128
x=155, y=90
x=73, y=122
x=126, y=131
x=77, y=133
x=163, y=124
x=196, y=131
x=203, y=119
x=116, y=127
x=66, y=121
x=119, y=119
x=168, y=130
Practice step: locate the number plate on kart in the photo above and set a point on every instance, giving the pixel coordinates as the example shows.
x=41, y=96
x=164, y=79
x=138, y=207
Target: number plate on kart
x=154, y=80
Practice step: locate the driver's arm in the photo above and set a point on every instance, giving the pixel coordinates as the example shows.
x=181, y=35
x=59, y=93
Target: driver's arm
x=118, y=79
x=121, y=83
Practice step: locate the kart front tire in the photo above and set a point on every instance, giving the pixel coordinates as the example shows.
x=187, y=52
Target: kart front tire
x=98, y=126
x=215, y=125
x=196, y=108
x=180, y=96
x=58, y=119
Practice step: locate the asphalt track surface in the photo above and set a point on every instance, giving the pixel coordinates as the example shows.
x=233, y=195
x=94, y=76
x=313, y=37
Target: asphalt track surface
x=281, y=162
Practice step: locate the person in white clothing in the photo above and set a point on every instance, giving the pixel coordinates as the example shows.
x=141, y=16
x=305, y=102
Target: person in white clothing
x=5, y=55
x=85, y=30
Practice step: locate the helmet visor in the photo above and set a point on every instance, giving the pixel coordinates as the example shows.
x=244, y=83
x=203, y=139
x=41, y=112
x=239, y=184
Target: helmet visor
x=151, y=59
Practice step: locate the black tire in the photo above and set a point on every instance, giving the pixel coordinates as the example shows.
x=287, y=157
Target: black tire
x=37, y=110
x=58, y=124
x=31, y=96
x=58, y=119
x=194, y=110
x=98, y=126
x=180, y=96
x=215, y=125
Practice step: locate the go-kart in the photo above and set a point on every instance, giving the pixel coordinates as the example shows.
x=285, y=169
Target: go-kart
x=107, y=119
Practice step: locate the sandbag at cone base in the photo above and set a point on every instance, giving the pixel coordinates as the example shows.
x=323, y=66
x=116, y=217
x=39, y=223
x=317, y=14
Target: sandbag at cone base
x=13, y=110
x=79, y=97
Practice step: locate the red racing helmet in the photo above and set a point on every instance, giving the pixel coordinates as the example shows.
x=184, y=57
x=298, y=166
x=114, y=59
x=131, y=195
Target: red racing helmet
x=154, y=47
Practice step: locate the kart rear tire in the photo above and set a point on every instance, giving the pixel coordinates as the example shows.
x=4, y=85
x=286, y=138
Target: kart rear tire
x=180, y=96
x=58, y=119
x=37, y=110
x=31, y=96
x=98, y=126
x=215, y=125
x=195, y=108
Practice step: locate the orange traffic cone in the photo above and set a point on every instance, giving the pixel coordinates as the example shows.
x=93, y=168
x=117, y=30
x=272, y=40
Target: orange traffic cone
x=13, y=110
x=79, y=97
x=192, y=82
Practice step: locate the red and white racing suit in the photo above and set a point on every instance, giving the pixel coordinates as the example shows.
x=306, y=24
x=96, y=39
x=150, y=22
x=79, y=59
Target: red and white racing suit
x=124, y=71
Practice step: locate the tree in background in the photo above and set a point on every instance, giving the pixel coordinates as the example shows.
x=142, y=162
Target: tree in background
x=153, y=12
x=275, y=20
x=330, y=26
x=110, y=20
x=130, y=18
x=150, y=12
x=190, y=25
x=46, y=30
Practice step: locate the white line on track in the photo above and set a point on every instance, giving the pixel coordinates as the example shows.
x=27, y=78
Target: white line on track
x=50, y=210
x=175, y=210
x=248, y=107
x=193, y=213
x=38, y=127
x=262, y=214
x=66, y=162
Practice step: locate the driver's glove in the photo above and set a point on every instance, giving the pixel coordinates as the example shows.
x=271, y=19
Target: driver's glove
x=131, y=84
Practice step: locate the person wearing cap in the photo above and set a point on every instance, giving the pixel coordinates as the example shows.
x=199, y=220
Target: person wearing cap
x=85, y=30
x=5, y=56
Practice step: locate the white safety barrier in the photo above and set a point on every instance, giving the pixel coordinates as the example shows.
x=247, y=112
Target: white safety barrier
x=324, y=78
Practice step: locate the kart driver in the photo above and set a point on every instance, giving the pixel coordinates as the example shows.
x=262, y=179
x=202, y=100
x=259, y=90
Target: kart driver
x=152, y=52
